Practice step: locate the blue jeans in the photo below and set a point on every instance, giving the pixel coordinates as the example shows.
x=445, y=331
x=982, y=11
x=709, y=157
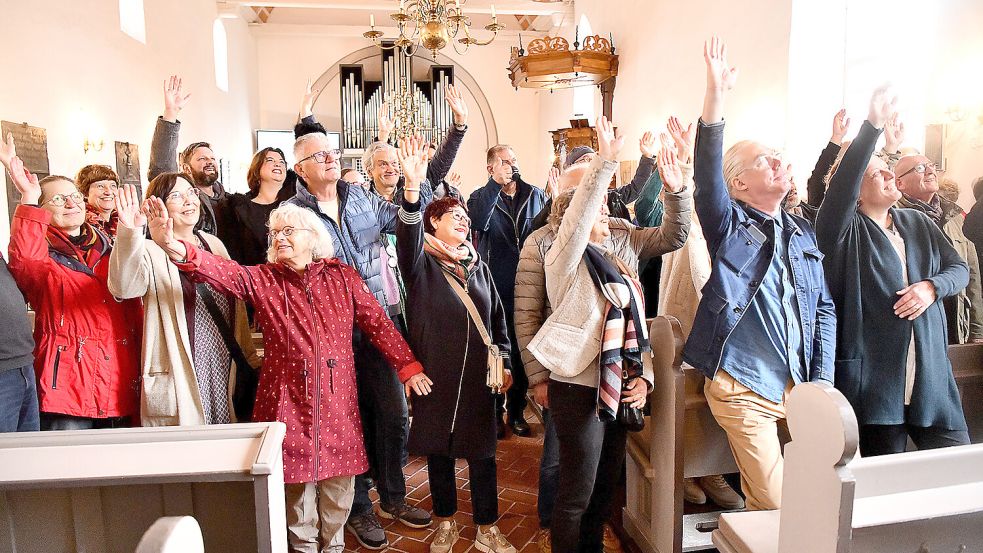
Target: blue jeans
x=18, y=400
x=385, y=426
x=549, y=471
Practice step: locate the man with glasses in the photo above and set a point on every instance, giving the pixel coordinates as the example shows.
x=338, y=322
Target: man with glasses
x=918, y=180
x=503, y=211
x=766, y=320
x=197, y=159
x=356, y=220
x=86, y=359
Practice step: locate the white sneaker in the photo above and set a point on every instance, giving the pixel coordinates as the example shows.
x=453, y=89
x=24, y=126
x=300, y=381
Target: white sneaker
x=492, y=542
x=692, y=492
x=445, y=537
x=720, y=492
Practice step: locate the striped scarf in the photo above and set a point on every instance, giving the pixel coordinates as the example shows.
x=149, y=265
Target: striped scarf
x=624, y=337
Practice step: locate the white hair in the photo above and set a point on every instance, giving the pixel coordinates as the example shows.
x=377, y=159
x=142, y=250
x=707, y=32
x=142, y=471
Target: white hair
x=302, y=141
x=301, y=218
x=368, y=157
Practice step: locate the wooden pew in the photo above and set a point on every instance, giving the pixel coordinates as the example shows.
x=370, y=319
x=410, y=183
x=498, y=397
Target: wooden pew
x=99, y=491
x=681, y=439
x=833, y=501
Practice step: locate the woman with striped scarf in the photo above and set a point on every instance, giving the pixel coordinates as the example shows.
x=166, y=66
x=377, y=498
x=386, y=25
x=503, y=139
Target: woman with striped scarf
x=595, y=342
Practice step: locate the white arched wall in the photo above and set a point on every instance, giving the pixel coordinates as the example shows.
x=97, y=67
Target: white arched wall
x=288, y=56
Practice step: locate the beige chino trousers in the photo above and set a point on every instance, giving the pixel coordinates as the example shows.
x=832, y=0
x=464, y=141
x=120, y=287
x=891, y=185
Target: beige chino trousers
x=751, y=423
x=320, y=505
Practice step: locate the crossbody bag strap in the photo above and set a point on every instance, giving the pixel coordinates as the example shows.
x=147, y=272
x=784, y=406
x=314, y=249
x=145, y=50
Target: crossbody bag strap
x=223, y=326
x=469, y=305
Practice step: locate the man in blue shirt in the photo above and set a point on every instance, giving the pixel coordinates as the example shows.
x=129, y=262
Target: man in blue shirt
x=766, y=320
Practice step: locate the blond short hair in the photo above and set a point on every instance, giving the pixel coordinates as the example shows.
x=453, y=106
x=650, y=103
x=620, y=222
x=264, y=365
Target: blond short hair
x=301, y=217
x=733, y=163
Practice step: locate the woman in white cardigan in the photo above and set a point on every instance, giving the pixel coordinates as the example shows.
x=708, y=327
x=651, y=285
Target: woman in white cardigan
x=592, y=283
x=188, y=373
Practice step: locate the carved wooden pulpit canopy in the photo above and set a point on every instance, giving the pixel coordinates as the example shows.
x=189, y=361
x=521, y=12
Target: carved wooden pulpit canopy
x=551, y=63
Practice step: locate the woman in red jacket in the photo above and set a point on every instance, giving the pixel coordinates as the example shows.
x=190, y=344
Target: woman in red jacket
x=307, y=303
x=87, y=357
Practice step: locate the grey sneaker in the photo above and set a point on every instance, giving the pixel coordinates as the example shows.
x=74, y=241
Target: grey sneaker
x=414, y=517
x=445, y=537
x=720, y=492
x=492, y=542
x=367, y=531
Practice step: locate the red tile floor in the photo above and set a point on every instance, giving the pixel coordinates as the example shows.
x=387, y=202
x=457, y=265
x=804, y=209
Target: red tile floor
x=518, y=480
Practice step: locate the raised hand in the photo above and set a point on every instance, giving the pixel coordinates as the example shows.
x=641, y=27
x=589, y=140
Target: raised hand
x=893, y=134
x=682, y=137
x=457, y=104
x=721, y=77
x=174, y=98
x=841, y=124
x=647, y=145
x=454, y=179
x=915, y=299
x=7, y=150
x=412, y=154
x=307, y=102
x=25, y=182
x=420, y=384
x=883, y=107
x=128, y=207
x=669, y=170
x=162, y=229
x=386, y=124
x=609, y=144
x=553, y=182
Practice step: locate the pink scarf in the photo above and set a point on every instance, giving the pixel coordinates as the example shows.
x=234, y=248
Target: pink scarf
x=460, y=261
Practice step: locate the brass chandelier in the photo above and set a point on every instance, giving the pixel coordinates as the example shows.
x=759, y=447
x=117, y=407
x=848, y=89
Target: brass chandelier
x=435, y=24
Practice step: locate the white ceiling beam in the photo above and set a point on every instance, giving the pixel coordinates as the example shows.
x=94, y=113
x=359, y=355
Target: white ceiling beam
x=506, y=8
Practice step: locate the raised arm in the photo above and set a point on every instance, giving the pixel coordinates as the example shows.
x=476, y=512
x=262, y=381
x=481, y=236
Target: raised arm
x=711, y=197
x=442, y=161
x=840, y=204
x=672, y=233
x=29, y=262
x=646, y=166
x=409, y=224
x=816, y=185
x=574, y=233
x=129, y=267
x=387, y=212
x=163, y=146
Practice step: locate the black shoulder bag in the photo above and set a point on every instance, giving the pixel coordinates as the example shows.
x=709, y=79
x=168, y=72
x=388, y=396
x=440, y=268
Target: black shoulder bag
x=247, y=378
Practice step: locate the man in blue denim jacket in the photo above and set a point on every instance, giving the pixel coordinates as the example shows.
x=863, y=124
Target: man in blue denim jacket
x=766, y=320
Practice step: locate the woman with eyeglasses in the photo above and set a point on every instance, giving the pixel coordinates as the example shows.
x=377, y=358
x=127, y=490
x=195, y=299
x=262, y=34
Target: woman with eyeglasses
x=86, y=365
x=308, y=303
x=457, y=420
x=99, y=183
x=888, y=270
x=244, y=216
x=193, y=333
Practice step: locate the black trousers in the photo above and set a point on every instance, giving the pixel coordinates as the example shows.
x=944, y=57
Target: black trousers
x=516, y=395
x=484, y=487
x=885, y=439
x=592, y=454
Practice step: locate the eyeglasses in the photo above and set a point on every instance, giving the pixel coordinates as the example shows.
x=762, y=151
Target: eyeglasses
x=189, y=194
x=60, y=199
x=321, y=157
x=922, y=168
x=104, y=187
x=764, y=161
x=287, y=232
x=460, y=218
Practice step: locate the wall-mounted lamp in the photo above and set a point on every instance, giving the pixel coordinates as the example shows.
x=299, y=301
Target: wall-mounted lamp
x=93, y=145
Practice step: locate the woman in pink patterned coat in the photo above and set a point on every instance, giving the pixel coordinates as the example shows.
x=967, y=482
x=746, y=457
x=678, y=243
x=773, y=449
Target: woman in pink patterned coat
x=307, y=303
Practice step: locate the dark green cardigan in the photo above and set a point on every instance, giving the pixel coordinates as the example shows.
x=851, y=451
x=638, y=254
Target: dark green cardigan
x=864, y=273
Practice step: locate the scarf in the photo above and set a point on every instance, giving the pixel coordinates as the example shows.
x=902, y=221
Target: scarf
x=87, y=248
x=624, y=336
x=106, y=225
x=459, y=262
x=932, y=208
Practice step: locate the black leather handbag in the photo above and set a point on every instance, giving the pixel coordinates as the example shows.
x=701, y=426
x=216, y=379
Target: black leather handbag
x=630, y=417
